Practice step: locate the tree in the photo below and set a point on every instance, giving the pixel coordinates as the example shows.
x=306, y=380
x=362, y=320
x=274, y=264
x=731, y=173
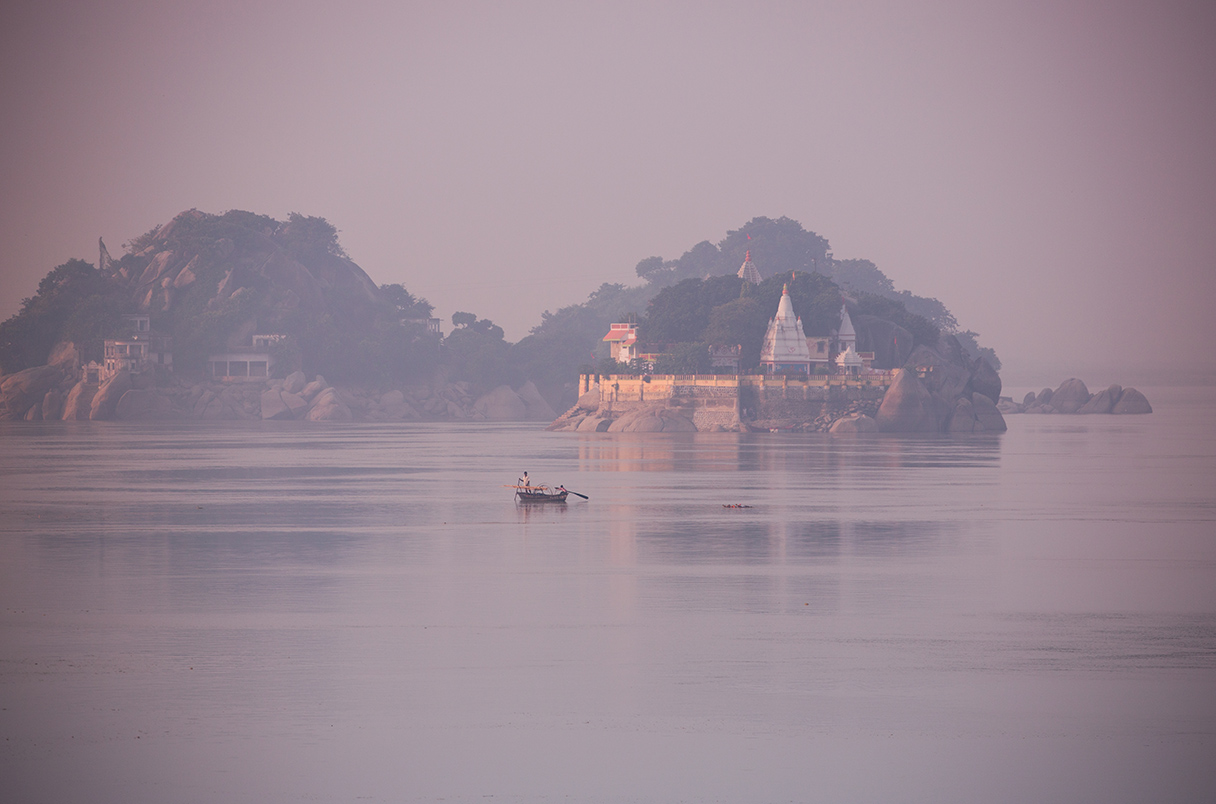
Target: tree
x=73, y=300
x=684, y=358
x=307, y=237
x=404, y=304
x=777, y=246
x=859, y=275
x=680, y=313
x=741, y=322
x=463, y=320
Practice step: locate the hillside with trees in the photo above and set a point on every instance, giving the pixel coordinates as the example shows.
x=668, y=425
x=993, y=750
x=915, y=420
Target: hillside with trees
x=211, y=281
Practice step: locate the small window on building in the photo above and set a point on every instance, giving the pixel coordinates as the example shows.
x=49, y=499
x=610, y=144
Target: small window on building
x=257, y=368
x=238, y=368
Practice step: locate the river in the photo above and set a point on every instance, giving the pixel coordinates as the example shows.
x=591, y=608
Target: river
x=291, y=612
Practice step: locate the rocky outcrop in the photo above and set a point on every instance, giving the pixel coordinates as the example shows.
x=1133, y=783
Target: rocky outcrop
x=1070, y=396
x=143, y=405
x=329, y=407
x=985, y=380
x=538, y=409
x=278, y=405
x=313, y=388
x=1103, y=401
x=1132, y=401
x=988, y=417
x=857, y=423
x=79, y=402
x=65, y=357
x=907, y=406
x=52, y=405
x=502, y=405
x=295, y=382
x=20, y=391
x=655, y=418
x=943, y=397
x=105, y=401
x=1073, y=397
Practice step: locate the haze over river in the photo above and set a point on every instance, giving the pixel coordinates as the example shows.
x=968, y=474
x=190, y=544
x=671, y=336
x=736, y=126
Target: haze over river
x=361, y=613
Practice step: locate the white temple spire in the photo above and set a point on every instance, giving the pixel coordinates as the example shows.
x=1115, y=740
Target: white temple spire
x=785, y=346
x=748, y=271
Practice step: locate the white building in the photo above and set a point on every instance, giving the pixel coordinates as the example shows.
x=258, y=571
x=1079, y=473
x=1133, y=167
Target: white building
x=785, y=348
x=140, y=350
x=748, y=271
x=845, y=337
x=622, y=341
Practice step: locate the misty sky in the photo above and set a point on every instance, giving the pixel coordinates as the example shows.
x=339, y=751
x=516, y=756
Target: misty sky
x=1047, y=170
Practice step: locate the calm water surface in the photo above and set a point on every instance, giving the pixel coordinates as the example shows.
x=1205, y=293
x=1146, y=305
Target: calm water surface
x=361, y=613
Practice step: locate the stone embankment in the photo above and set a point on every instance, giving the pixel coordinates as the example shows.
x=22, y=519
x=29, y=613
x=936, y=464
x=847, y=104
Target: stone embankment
x=747, y=408
x=50, y=392
x=1073, y=397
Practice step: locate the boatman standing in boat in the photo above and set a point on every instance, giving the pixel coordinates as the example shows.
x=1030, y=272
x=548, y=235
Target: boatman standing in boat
x=524, y=481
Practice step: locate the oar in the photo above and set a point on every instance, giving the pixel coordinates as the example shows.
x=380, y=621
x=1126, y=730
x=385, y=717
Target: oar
x=576, y=494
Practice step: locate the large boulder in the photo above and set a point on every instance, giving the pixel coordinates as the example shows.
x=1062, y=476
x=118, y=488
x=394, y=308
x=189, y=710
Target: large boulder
x=594, y=424
x=106, y=399
x=1132, y=401
x=313, y=388
x=962, y=418
x=329, y=407
x=949, y=370
x=589, y=401
x=65, y=357
x=1103, y=401
x=502, y=405
x=1070, y=396
x=295, y=382
x=1029, y=399
x=984, y=379
x=19, y=392
x=79, y=402
x=652, y=419
x=1044, y=397
x=907, y=406
x=52, y=405
x=987, y=415
x=143, y=405
x=857, y=423
x=274, y=408
x=538, y=409
x=34, y=414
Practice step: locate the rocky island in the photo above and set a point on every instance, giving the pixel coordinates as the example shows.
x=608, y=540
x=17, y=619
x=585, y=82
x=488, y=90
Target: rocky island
x=239, y=316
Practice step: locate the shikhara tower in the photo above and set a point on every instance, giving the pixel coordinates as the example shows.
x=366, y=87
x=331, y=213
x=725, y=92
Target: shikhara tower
x=748, y=271
x=785, y=348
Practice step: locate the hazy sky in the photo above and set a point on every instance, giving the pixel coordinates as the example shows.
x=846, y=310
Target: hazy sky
x=1047, y=170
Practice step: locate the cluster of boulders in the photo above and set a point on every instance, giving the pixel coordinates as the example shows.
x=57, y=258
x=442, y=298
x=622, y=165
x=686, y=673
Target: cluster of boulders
x=946, y=392
x=1074, y=397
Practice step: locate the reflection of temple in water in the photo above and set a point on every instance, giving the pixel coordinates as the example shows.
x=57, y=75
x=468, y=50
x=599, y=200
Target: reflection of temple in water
x=785, y=452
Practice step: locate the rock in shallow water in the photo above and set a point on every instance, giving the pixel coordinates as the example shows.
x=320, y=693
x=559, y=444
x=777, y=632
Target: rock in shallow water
x=1132, y=401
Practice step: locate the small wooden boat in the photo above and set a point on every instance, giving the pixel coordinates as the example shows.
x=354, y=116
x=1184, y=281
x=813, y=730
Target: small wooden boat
x=539, y=494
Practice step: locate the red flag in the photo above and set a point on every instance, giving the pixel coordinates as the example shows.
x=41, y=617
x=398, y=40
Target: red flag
x=749, y=237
